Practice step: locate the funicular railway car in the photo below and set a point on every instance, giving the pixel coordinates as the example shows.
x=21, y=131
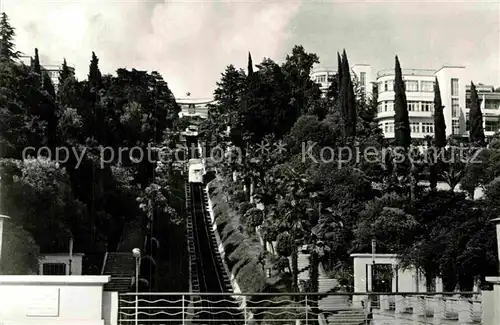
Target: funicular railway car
x=196, y=170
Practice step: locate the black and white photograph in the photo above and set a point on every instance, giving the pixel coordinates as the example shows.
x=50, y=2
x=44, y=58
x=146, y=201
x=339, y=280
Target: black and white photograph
x=250, y=162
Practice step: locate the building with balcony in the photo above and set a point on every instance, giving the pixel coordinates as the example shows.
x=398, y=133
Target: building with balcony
x=192, y=107
x=419, y=85
x=490, y=107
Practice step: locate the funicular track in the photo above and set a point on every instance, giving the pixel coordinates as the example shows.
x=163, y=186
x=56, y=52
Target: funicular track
x=208, y=309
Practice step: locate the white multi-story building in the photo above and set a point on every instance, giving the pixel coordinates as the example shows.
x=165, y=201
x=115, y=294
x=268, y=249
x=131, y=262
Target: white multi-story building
x=419, y=85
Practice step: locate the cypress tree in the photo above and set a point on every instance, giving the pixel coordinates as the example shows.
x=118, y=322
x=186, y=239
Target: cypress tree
x=401, y=119
x=94, y=76
x=65, y=72
x=439, y=123
x=36, y=64
x=50, y=110
x=476, y=132
x=347, y=99
x=439, y=137
x=250, y=65
x=48, y=86
x=8, y=51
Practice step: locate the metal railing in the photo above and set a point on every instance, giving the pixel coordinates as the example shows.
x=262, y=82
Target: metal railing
x=405, y=308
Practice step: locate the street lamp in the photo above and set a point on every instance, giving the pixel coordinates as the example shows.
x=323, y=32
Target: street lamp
x=70, y=255
x=2, y=218
x=137, y=254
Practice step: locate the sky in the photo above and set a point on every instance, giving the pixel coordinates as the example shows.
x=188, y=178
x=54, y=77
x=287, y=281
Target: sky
x=191, y=42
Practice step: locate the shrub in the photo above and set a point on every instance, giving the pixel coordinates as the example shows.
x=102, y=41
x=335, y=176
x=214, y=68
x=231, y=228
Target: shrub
x=243, y=207
x=240, y=196
x=284, y=244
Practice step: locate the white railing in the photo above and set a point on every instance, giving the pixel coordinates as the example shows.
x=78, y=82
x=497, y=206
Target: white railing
x=283, y=308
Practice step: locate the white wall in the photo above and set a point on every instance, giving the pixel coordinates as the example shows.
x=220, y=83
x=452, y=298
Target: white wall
x=444, y=76
x=406, y=278
x=76, y=262
x=52, y=300
x=110, y=307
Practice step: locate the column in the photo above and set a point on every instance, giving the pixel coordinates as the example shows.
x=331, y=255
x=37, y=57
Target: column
x=439, y=310
x=419, y=308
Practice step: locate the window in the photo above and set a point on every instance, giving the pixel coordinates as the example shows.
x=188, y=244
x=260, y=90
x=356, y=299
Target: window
x=455, y=127
x=362, y=78
x=492, y=104
x=386, y=127
x=191, y=109
x=379, y=107
x=391, y=126
x=391, y=106
x=467, y=103
x=411, y=85
x=427, y=106
x=389, y=85
x=385, y=106
x=427, y=127
x=321, y=78
x=467, y=124
x=54, y=269
x=454, y=87
x=413, y=106
x=427, y=86
x=455, y=108
x=415, y=127
x=491, y=126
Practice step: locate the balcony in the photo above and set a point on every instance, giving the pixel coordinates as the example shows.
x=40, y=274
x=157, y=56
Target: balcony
x=385, y=114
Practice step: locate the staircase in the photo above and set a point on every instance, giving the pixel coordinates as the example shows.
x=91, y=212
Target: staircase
x=347, y=317
x=325, y=284
x=121, y=267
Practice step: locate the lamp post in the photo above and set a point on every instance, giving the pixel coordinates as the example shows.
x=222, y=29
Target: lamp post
x=137, y=254
x=374, y=248
x=70, y=255
x=2, y=218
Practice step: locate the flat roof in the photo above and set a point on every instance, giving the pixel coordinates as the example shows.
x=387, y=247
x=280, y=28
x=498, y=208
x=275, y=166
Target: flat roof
x=418, y=72
x=407, y=72
x=195, y=101
x=451, y=66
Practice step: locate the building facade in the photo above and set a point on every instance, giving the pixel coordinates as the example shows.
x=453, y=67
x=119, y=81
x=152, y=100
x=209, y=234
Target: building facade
x=419, y=85
x=192, y=107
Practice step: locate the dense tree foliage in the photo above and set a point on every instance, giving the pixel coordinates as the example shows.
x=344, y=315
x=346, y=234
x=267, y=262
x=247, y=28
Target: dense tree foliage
x=300, y=168
x=314, y=191
x=67, y=165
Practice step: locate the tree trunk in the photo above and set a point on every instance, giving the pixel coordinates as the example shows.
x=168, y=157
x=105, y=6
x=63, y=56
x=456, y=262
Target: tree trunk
x=252, y=189
x=295, y=269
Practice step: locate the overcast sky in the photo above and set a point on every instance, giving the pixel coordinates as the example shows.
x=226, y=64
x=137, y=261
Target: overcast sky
x=191, y=42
